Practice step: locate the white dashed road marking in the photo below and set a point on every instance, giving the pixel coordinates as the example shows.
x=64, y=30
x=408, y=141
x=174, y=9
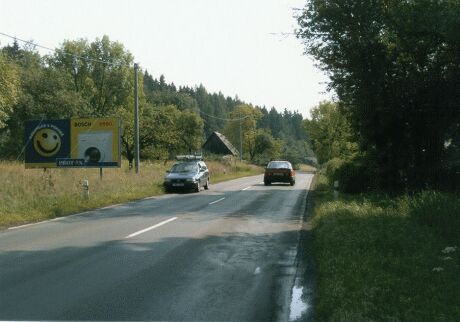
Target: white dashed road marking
x=211, y=203
x=137, y=233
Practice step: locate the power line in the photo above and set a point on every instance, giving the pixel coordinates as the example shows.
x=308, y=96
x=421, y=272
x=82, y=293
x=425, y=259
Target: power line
x=102, y=62
x=107, y=63
x=65, y=53
x=223, y=119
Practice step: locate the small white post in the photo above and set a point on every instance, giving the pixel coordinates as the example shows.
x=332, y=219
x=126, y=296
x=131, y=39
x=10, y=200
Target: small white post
x=85, y=185
x=336, y=189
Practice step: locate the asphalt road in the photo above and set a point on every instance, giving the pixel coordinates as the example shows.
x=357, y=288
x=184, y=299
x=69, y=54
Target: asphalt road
x=223, y=254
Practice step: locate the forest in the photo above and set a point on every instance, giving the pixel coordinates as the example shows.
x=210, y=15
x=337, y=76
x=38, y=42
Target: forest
x=85, y=78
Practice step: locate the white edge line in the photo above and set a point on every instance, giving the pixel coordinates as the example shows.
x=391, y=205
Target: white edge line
x=216, y=201
x=150, y=228
x=61, y=218
x=111, y=206
x=245, y=188
x=27, y=225
x=36, y=223
x=68, y=216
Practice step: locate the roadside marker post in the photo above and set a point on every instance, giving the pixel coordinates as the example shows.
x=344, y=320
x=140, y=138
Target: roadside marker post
x=85, y=186
x=336, y=189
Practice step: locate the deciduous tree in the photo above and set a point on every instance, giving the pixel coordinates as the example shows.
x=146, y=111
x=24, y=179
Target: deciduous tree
x=395, y=67
x=9, y=88
x=330, y=133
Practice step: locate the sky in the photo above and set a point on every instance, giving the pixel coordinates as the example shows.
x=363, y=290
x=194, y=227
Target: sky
x=243, y=48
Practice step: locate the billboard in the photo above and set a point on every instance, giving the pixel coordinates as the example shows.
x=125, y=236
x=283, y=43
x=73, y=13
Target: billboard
x=46, y=141
x=78, y=142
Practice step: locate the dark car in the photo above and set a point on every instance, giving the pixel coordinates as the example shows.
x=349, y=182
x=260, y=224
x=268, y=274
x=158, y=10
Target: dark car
x=188, y=174
x=279, y=171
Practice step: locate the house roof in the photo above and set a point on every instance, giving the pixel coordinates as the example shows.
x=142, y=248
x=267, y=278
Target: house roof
x=223, y=140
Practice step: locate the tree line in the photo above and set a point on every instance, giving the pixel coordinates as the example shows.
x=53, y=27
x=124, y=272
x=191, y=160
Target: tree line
x=395, y=67
x=96, y=79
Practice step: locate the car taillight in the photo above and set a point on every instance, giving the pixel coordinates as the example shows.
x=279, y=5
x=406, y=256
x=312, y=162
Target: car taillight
x=291, y=173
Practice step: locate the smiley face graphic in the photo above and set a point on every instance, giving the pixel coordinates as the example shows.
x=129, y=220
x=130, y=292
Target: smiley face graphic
x=47, y=142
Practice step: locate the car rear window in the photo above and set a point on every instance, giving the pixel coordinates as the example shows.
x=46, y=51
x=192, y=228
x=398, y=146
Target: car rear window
x=279, y=165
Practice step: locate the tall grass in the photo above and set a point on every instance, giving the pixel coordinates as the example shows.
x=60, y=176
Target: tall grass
x=28, y=195
x=439, y=211
x=387, y=259
x=307, y=168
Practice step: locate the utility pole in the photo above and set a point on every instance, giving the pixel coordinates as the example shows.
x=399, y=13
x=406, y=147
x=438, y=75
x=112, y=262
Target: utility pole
x=241, y=142
x=136, y=121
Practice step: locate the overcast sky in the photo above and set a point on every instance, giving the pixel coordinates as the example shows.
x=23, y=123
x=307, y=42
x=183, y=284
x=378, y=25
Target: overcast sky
x=237, y=47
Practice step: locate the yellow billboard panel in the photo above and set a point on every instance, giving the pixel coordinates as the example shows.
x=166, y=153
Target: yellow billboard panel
x=96, y=141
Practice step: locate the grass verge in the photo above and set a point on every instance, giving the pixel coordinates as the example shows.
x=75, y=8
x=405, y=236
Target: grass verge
x=30, y=195
x=307, y=168
x=386, y=259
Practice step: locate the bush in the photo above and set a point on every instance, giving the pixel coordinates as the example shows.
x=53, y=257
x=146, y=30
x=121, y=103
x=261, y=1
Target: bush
x=262, y=159
x=331, y=168
x=354, y=175
x=439, y=211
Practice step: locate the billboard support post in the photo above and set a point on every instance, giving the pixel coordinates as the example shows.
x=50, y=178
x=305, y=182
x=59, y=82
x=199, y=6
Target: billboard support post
x=136, y=120
x=100, y=173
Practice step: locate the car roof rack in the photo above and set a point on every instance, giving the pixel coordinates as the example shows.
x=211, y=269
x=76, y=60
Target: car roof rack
x=189, y=157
